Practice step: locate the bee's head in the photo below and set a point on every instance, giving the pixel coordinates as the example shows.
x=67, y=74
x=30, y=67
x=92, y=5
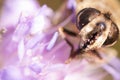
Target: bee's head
x=96, y=28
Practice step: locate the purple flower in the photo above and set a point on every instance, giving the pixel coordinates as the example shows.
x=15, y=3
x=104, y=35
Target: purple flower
x=31, y=47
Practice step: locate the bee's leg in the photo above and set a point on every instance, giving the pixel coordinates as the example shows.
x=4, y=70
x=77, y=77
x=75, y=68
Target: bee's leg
x=71, y=52
x=64, y=31
x=70, y=44
x=96, y=53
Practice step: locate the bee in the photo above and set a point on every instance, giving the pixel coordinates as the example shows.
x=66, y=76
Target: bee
x=96, y=30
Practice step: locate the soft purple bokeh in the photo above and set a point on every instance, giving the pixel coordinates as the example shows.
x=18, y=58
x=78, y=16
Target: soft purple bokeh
x=30, y=49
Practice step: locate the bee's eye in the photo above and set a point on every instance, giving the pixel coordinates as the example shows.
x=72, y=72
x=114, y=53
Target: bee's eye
x=85, y=16
x=113, y=35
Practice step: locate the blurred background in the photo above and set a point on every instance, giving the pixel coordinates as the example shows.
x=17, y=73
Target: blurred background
x=55, y=4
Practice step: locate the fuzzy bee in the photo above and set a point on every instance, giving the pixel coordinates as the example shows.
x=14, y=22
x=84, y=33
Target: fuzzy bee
x=96, y=30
